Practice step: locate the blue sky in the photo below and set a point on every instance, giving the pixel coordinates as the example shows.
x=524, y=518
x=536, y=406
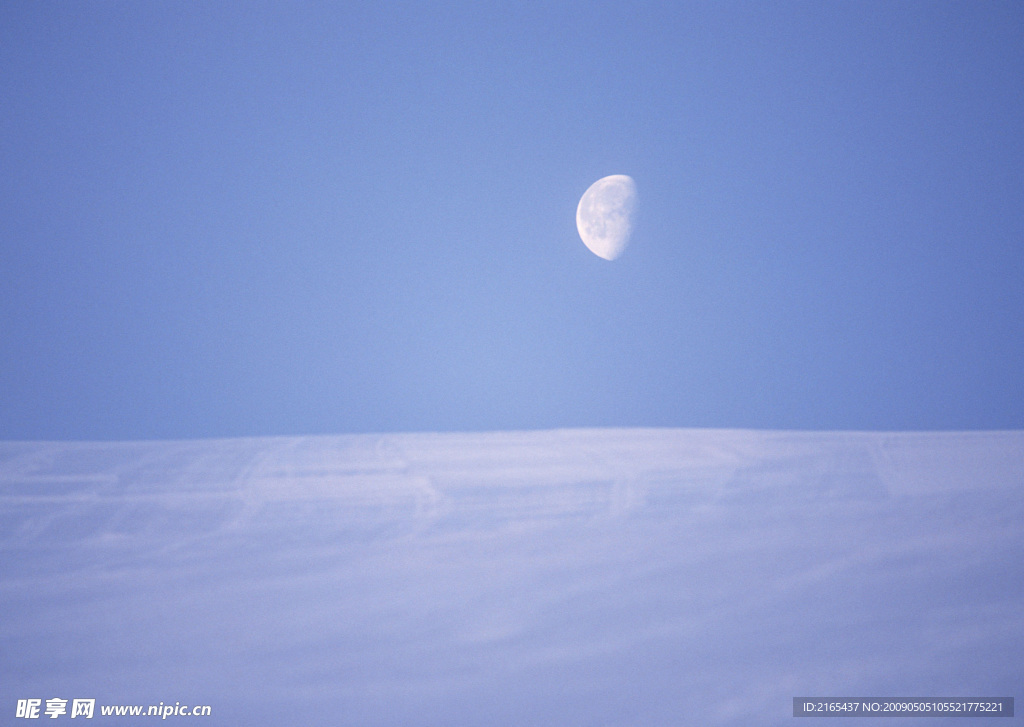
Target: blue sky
x=228, y=219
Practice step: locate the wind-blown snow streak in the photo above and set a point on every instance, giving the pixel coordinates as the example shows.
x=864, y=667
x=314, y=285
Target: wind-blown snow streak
x=565, y=577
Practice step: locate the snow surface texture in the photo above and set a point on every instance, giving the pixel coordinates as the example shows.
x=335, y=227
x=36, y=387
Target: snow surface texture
x=577, y=577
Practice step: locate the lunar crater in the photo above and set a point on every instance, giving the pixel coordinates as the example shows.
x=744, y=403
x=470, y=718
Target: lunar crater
x=605, y=214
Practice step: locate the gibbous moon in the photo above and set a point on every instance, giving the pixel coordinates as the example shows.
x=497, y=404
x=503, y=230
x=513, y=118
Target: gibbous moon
x=605, y=215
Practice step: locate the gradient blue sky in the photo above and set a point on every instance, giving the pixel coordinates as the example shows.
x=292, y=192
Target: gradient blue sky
x=222, y=219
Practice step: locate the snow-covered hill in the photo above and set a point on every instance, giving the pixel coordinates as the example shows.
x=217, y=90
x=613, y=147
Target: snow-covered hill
x=573, y=577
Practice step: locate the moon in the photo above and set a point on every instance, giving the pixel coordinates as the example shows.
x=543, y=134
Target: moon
x=604, y=216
